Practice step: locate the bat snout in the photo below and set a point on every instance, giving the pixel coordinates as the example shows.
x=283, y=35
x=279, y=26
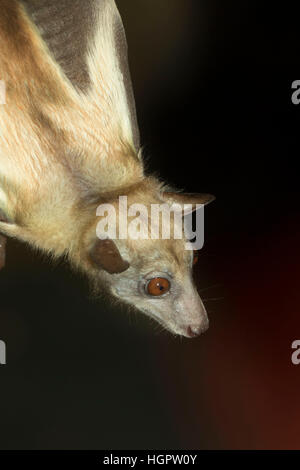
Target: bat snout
x=192, y=318
x=195, y=330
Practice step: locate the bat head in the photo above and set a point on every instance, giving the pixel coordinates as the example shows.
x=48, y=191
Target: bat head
x=151, y=267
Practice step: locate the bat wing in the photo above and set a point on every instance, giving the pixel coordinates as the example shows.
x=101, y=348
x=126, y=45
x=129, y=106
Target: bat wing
x=87, y=40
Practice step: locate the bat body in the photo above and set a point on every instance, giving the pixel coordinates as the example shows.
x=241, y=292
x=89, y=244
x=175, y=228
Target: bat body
x=69, y=141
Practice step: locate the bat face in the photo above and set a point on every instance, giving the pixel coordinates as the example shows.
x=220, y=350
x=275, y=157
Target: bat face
x=161, y=286
x=154, y=276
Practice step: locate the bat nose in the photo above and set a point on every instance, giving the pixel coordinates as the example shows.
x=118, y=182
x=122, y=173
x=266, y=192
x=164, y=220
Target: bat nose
x=195, y=330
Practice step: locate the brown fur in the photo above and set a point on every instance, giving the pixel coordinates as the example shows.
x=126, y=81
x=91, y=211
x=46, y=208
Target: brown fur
x=65, y=22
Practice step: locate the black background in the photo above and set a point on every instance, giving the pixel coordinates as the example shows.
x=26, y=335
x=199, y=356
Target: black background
x=212, y=82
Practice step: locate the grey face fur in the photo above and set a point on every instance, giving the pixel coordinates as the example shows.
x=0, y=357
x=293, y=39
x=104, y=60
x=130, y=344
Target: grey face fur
x=180, y=310
x=166, y=266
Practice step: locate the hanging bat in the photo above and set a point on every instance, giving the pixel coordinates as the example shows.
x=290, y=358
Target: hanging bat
x=69, y=142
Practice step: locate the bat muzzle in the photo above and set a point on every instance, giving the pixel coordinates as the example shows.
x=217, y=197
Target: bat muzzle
x=193, y=331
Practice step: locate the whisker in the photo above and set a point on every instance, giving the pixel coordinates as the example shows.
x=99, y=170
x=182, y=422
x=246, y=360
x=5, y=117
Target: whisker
x=210, y=287
x=213, y=298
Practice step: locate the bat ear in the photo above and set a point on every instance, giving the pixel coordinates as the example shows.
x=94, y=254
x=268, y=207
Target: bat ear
x=105, y=255
x=188, y=198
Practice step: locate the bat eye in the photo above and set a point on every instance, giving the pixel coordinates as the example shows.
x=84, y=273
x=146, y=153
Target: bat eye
x=158, y=286
x=195, y=257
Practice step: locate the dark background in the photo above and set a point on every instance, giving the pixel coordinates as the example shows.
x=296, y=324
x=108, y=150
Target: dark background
x=212, y=82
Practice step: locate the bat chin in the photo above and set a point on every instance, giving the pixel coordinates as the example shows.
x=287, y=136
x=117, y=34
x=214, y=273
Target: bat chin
x=192, y=330
x=170, y=327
